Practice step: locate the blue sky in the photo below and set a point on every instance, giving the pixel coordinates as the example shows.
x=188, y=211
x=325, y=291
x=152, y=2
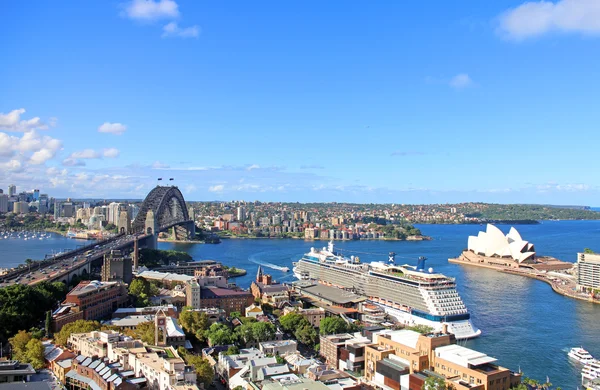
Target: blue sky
x=389, y=101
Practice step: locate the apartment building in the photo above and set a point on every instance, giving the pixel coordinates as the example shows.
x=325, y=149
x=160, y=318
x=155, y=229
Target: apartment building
x=278, y=347
x=344, y=351
x=465, y=367
x=588, y=272
x=227, y=299
x=395, y=355
x=90, y=300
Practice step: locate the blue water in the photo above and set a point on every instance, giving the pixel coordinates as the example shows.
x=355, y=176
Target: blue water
x=14, y=251
x=525, y=324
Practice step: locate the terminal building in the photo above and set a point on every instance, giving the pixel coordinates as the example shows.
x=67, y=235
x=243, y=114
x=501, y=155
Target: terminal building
x=588, y=272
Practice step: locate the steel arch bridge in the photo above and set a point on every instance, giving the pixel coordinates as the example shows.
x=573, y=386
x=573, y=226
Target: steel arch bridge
x=169, y=210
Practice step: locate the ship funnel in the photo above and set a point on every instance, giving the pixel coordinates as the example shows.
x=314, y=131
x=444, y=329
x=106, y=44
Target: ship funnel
x=392, y=258
x=330, y=246
x=421, y=263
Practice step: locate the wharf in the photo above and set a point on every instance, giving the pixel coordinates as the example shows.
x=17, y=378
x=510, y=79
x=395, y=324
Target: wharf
x=544, y=271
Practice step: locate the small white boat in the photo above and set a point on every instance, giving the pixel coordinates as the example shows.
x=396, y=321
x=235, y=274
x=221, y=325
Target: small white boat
x=580, y=355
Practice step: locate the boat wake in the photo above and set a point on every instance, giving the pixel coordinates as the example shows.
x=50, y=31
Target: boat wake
x=269, y=265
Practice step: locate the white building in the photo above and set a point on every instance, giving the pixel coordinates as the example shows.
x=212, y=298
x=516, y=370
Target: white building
x=588, y=272
x=493, y=243
x=278, y=347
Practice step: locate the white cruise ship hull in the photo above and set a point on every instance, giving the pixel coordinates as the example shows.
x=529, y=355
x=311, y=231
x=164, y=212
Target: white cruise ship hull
x=462, y=330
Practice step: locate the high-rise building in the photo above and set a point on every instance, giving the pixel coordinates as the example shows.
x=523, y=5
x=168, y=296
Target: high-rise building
x=3, y=203
x=57, y=210
x=241, y=213
x=113, y=213
x=117, y=267
x=36, y=194
x=12, y=190
x=588, y=272
x=68, y=209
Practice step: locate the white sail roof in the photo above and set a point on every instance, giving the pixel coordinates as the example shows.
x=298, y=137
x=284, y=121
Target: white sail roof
x=493, y=242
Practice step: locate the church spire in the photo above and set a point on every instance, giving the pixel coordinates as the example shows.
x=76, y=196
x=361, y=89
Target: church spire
x=259, y=274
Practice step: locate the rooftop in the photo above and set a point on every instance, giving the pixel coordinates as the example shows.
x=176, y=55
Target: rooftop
x=217, y=292
x=86, y=287
x=465, y=357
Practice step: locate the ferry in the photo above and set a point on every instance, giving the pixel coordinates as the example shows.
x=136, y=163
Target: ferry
x=580, y=355
x=412, y=295
x=590, y=373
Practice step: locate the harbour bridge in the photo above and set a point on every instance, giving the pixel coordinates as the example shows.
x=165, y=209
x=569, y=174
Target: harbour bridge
x=163, y=209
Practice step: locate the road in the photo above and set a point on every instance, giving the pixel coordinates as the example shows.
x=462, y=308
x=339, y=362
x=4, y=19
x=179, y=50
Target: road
x=56, y=270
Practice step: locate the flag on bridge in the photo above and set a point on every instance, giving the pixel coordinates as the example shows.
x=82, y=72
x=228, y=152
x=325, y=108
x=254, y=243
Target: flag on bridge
x=160, y=178
x=171, y=179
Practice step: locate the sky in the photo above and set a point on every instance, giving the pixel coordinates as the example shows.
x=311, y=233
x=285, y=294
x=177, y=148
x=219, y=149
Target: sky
x=308, y=101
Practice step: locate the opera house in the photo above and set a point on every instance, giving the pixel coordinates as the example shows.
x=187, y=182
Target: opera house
x=494, y=244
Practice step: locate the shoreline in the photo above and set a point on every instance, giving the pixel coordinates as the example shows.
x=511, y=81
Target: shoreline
x=420, y=238
x=566, y=289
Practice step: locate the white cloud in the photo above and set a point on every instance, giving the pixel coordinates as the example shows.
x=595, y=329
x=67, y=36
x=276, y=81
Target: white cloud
x=461, y=80
x=533, y=19
x=11, y=166
x=112, y=128
x=159, y=165
x=111, y=153
x=217, y=188
x=150, y=10
x=86, y=154
x=12, y=122
x=41, y=156
x=73, y=162
x=172, y=29
x=253, y=166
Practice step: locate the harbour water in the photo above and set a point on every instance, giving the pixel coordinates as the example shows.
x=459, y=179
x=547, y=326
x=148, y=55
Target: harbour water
x=525, y=324
x=14, y=251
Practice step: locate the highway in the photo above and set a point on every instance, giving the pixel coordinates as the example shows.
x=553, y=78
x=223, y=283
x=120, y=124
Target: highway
x=56, y=268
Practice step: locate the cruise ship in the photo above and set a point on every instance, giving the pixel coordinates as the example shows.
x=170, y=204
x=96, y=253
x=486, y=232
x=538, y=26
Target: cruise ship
x=410, y=294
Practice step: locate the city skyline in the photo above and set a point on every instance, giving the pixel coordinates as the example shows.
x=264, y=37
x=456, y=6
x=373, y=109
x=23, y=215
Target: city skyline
x=377, y=103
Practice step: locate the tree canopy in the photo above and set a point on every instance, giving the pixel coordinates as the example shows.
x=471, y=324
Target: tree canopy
x=142, y=290
x=23, y=306
x=28, y=349
x=194, y=323
x=153, y=258
x=333, y=325
x=220, y=334
x=79, y=326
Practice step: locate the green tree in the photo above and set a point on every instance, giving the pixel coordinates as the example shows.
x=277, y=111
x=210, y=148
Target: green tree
x=423, y=329
x=19, y=344
x=142, y=290
x=332, y=325
x=48, y=322
x=307, y=334
x=434, y=383
x=292, y=321
x=220, y=334
x=35, y=354
x=204, y=372
x=79, y=326
x=144, y=331
x=194, y=323
x=588, y=251
x=263, y=331
x=235, y=314
x=232, y=350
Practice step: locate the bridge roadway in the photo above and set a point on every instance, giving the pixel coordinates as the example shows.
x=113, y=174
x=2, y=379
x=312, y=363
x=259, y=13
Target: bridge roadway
x=69, y=264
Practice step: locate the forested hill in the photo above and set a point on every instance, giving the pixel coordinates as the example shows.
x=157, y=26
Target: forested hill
x=526, y=212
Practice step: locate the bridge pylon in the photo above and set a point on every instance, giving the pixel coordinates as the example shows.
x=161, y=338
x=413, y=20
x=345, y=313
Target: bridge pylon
x=151, y=228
